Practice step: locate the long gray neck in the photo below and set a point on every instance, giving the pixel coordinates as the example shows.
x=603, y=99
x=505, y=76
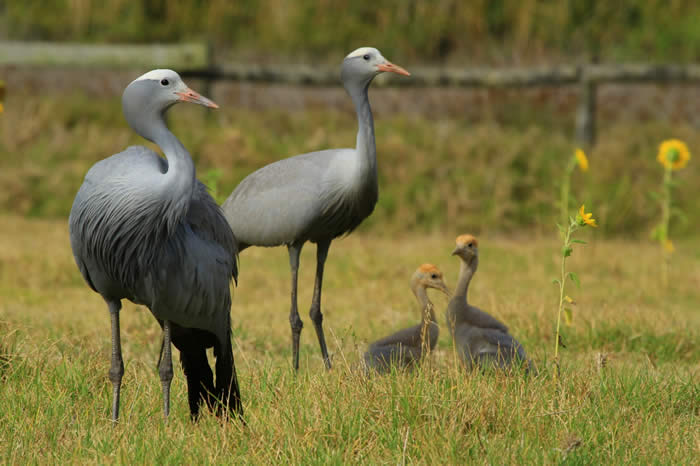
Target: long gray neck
x=424, y=301
x=175, y=187
x=365, y=145
x=466, y=272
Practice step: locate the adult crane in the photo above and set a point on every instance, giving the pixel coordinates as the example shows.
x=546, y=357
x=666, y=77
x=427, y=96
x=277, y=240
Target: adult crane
x=143, y=228
x=480, y=339
x=316, y=196
x=407, y=347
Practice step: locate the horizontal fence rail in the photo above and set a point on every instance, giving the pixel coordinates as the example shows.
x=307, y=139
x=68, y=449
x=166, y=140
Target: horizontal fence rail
x=181, y=56
x=195, y=60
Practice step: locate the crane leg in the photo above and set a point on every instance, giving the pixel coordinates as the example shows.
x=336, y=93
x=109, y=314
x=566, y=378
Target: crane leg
x=315, y=312
x=165, y=368
x=294, y=319
x=116, y=370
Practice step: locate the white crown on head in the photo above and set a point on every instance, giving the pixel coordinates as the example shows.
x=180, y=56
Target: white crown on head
x=157, y=75
x=362, y=51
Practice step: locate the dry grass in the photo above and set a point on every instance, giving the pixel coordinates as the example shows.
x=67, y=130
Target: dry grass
x=641, y=405
x=435, y=174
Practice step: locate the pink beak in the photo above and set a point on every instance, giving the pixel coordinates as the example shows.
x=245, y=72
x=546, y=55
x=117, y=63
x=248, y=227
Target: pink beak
x=391, y=68
x=193, y=97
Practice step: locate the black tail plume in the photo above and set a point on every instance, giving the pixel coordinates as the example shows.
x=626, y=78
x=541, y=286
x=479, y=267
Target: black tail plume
x=227, y=388
x=200, y=380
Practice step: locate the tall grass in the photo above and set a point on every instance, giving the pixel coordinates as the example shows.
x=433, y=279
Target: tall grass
x=641, y=406
x=420, y=30
x=436, y=174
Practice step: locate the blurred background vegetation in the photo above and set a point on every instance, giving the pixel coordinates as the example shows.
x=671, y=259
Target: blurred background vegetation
x=425, y=31
x=455, y=160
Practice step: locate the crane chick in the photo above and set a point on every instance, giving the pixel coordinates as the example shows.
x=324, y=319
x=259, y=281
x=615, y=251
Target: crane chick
x=479, y=338
x=408, y=346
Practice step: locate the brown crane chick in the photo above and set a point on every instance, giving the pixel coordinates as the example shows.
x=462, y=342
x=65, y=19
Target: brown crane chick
x=406, y=347
x=479, y=338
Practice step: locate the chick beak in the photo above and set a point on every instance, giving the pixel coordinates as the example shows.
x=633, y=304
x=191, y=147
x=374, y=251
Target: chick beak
x=444, y=289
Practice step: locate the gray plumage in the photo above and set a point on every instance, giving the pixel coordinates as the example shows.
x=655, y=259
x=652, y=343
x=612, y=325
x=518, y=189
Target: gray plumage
x=316, y=196
x=479, y=338
x=407, y=347
x=143, y=228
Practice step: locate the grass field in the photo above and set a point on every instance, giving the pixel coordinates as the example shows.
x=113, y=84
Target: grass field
x=493, y=172
x=641, y=407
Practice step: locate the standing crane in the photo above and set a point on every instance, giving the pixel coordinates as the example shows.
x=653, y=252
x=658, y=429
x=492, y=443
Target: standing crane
x=408, y=346
x=479, y=338
x=316, y=196
x=143, y=228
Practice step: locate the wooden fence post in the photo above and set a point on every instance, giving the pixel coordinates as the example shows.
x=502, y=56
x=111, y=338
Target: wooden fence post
x=210, y=69
x=586, y=113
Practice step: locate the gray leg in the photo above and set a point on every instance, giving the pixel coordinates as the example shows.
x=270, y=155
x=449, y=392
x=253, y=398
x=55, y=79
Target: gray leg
x=116, y=370
x=315, y=312
x=165, y=368
x=294, y=319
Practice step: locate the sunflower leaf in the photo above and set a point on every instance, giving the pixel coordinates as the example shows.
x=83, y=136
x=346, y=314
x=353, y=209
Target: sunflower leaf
x=568, y=316
x=574, y=278
x=654, y=195
x=580, y=241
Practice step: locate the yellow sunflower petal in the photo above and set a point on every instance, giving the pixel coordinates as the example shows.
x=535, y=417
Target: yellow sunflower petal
x=673, y=154
x=585, y=219
x=668, y=246
x=581, y=159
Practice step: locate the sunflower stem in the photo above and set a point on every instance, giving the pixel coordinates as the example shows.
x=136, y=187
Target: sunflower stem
x=562, y=284
x=565, y=189
x=665, y=222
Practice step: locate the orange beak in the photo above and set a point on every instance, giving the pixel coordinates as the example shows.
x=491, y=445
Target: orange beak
x=391, y=68
x=194, y=98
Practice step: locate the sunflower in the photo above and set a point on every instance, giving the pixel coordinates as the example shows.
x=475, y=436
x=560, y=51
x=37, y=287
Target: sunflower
x=673, y=154
x=584, y=219
x=668, y=246
x=581, y=159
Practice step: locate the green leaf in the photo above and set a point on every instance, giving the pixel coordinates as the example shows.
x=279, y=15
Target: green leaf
x=566, y=251
x=561, y=228
x=580, y=241
x=568, y=316
x=556, y=282
x=658, y=233
x=574, y=278
x=678, y=213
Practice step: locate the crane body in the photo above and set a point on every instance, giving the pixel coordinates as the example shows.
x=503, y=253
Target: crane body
x=143, y=228
x=314, y=197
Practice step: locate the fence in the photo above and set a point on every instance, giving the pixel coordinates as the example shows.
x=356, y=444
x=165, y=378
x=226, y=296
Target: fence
x=197, y=60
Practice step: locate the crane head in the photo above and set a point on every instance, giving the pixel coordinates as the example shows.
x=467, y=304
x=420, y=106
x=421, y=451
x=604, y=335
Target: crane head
x=147, y=97
x=429, y=276
x=168, y=88
x=365, y=63
x=467, y=247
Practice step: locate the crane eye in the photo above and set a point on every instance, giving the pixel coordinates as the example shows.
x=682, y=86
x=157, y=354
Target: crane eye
x=434, y=276
x=164, y=82
x=366, y=57
x=470, y=245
